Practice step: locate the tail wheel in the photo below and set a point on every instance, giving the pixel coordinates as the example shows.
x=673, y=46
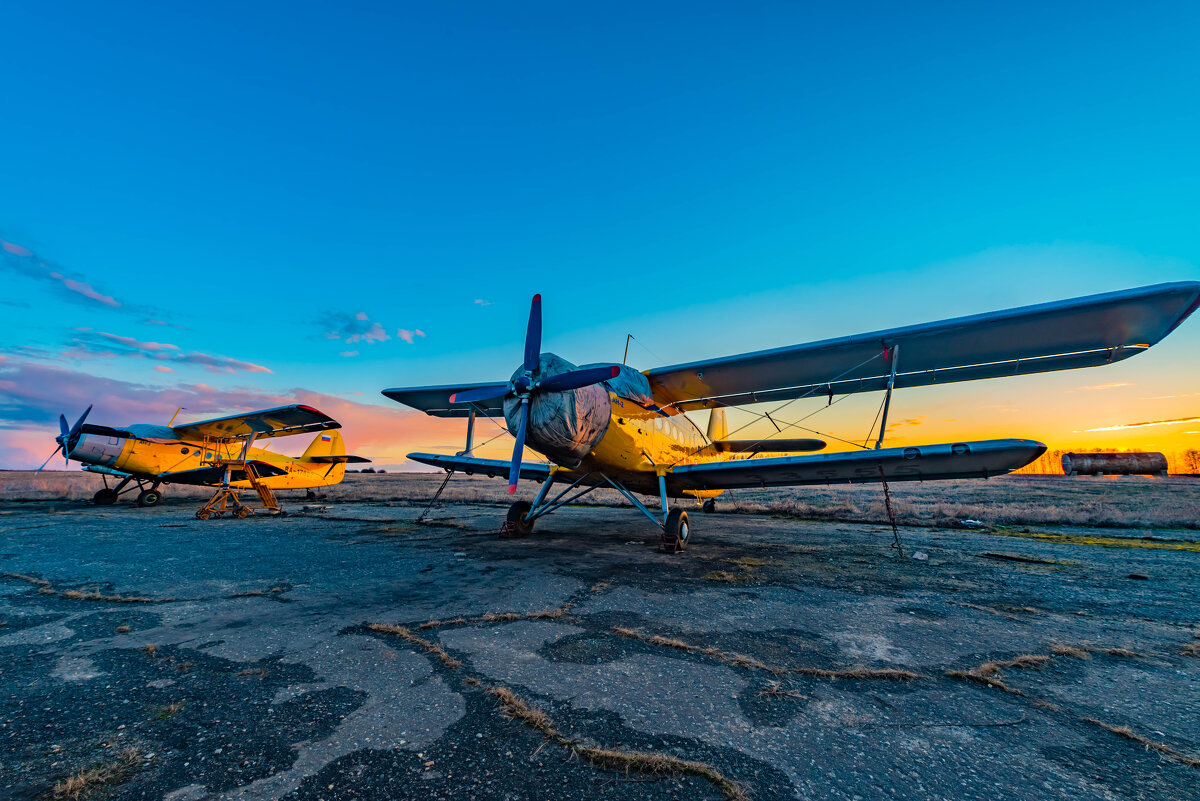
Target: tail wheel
x=516, y=525
x=105, y=497
x=674, y=538
x=149, y=497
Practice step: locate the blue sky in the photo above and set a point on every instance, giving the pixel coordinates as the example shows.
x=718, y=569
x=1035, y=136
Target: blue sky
x=713, y=178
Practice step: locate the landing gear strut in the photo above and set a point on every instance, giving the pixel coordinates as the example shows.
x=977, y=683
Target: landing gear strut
x=148, y=494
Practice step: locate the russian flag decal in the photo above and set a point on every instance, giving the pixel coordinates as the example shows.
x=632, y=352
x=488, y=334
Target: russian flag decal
x=326, y=438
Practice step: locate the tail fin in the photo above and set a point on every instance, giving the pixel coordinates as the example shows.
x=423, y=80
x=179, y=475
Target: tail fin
x=718, y=429
x=326, y=443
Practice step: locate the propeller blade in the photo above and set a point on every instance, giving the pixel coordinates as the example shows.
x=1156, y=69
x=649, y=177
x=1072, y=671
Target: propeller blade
x=578, y=378
x=62, y=426
x=48, y=458
x=533, y=335
x=478, y=394
x=514, y=471
x=79, y=423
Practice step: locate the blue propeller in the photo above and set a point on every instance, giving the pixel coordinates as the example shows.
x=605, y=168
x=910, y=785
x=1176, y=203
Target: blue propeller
x=526, y=383
x=67, y=437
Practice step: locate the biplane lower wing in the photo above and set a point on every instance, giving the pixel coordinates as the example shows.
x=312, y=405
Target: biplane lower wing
x=337, y=459
x=920, y=463
x=215, y=474
x=488, y=467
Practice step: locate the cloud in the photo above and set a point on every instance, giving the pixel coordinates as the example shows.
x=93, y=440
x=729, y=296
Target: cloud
x=352, y=328
x=162, y=368
x=22, y=260
x=409, y=336
x=348, y=354
x=1122, y=426
x=482, y=302
x=89, y=344
x=909, y=421
x=163, y=322
x=1096, y=387
x=32, y=396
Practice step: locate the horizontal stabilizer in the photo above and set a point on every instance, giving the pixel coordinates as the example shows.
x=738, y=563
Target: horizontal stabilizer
x=492, y=468
x=769, y=445
x=921, y=463
x=435, y=401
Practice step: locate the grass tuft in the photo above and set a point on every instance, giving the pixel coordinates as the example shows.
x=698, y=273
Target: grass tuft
x=30, y=579
x=498, y=617
x=1069, y=650
x=408, y=636
x=515, y=708
x=775, y=690
x=89, y=780
x=168, y=711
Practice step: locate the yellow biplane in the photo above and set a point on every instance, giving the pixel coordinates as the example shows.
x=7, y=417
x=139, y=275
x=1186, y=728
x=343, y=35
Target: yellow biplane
x=610, y=425
x=211, y=453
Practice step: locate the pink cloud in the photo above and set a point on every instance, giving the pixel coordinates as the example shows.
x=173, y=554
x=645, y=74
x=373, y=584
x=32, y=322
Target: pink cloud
x=348, y=354
x=162, y=368
x=373, y=334
x=16, y=250
x=133, y=343
x=26, y=262
x=410, y=336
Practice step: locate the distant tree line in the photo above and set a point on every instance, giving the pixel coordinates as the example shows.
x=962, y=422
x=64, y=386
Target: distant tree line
x=368, y=470
x=1050, y=463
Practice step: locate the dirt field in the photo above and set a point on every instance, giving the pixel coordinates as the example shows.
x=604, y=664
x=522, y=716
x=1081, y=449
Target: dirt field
x=1050, y=650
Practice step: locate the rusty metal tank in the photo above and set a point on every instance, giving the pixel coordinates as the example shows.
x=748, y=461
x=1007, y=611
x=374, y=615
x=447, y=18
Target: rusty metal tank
x=1114, y=464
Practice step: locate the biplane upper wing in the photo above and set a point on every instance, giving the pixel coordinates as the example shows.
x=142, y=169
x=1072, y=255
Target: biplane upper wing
x=281, y=421
x=1082, y=332
x=435, y=401
x=924, y=463
x=488, y=467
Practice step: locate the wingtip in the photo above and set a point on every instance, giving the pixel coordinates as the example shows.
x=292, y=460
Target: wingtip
x=537, y=298
x=512, y=488
x=452, y=397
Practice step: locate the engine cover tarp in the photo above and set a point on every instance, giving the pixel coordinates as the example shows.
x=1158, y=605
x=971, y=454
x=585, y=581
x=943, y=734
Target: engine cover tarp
x=565, y=426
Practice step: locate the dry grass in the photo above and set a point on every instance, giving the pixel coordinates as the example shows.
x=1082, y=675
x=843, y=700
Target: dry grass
x=743, y=661
x=30, y=579
x=168, y=711
x=87, y=781
x=150, y=650
x=727, y=577
x=656, y=764
x=514, y=707
x=256, y=672
x=408, y=636
x=1162, y=748
x=92, y=595
x=498, y=617
x=1191, y=649
x=1125, y=652
x=123, y=629
x=775, y=690
x=1070, y=650
x=1022, y=661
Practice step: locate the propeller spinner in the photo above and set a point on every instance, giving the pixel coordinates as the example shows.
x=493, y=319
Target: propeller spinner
x=528, y=382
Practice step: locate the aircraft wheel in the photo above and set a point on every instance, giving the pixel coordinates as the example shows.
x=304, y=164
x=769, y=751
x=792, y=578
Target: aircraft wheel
x=709, y=506
x=244, y=511
x=675, y=534
x=203, y=514
x=105, y=497
x=310, y=496
x=149, y=497
x=516, y=525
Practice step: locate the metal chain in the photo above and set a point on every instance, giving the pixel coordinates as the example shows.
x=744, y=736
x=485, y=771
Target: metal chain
x=887, y=501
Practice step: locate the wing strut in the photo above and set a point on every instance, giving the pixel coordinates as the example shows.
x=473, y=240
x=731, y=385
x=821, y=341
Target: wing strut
x=887, y=398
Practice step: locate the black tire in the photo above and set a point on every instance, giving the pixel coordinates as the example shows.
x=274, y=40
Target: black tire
x=676, y=532
x=709, y=506
x=105, y=497
x=310, y=496
x=149, y=497
x=516, y=525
